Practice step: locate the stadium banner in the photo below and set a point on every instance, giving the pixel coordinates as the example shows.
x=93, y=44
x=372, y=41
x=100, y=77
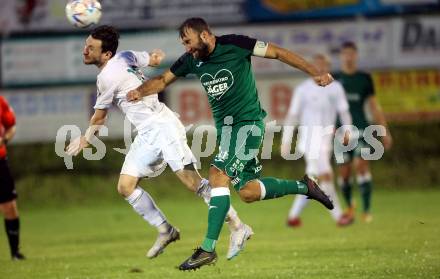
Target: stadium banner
x=49, y=15
x=20, y=57
x=416, y=41
x=372, y=37
x=410, y=95
x=281, y=10
x=408, y=2
x=41, y=112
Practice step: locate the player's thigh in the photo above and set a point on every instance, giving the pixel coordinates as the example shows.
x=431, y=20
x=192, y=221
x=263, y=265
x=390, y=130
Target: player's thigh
x=239, y=148
x=312, y=165
x=173, y=142
x=218, y=178
x=325, y=166
x=143, y=159
x=318, y=161
x=177, y=154
x=362, y=166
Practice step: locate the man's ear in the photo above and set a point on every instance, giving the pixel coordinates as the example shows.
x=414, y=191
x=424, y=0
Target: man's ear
x=204, y=36
x=108, y=54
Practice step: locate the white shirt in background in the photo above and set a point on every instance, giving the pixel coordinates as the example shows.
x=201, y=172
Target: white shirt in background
x=314, y=109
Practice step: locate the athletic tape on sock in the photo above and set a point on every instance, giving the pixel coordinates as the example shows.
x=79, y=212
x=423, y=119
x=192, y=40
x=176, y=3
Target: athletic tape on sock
x=220, y=191
x=363, y=178
x=262, y=190
x=137, y=193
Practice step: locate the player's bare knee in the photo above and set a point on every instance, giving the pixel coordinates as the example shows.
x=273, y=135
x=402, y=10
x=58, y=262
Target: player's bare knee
x=123, y=190
x=126, y=185
x=10, y=210
x=345, y=171
x=248, y=196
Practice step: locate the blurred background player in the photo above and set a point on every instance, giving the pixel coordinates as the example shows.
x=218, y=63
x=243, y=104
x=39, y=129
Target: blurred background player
x=161, y=138
x=8, y=194
x=314, y=109
x=359, y=88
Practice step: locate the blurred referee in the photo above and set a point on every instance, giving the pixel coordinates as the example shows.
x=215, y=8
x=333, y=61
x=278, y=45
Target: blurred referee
x=8, y=195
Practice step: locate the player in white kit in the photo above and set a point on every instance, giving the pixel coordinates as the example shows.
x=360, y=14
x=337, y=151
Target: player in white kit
x=160, y=141
x=314, y=109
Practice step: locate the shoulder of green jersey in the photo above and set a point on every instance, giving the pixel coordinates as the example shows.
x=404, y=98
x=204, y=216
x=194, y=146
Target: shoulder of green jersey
x=241, y=41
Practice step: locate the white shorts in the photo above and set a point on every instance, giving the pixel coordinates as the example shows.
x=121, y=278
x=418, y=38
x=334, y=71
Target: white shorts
x=164, y=143
x=318, y=162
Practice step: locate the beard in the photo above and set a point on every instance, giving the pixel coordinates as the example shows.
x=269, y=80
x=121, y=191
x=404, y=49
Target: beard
x=91, y=61
x=202, y=51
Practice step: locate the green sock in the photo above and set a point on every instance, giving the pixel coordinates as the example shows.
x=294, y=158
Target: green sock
x=346, y=192
x=276, y=188
x=218, y=208
x=366, y=189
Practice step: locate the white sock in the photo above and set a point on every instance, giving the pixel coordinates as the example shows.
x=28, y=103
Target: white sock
x=144, y=205
x=298, y=205
x=232, y=218
x=329, y=188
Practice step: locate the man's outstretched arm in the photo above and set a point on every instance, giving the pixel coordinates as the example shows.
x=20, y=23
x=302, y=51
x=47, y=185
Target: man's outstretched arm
x=95, y=123
x=152, y=86
x=292, y=59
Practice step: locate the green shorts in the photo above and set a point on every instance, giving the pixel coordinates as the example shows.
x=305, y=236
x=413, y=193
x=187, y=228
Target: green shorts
x=239, y=145
x=349, y=156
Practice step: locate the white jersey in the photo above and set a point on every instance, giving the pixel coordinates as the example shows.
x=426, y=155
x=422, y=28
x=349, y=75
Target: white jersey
x=120, y=75
x=315, y=109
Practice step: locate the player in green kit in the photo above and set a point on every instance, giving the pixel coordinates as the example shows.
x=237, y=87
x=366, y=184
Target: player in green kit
x=359, y=88
x=223, y=66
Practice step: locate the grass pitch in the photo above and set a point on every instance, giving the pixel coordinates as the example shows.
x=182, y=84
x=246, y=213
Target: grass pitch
x=110, y=241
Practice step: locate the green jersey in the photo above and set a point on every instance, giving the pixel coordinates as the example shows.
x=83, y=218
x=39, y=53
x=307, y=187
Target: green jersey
x=358, y=87
x=227, y=77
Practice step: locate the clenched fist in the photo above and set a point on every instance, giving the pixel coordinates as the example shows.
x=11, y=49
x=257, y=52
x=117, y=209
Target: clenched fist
x=323, y=80
x=156, y=57
x=134, y=95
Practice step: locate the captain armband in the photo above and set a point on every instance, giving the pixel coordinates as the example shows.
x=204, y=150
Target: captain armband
x=260, y=49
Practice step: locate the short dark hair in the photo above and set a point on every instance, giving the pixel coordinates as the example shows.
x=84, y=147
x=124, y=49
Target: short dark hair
x=109, y=37
x=349, y=44
x=196, y=23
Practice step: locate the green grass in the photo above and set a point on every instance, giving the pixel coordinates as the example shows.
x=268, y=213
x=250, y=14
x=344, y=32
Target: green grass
x=109, y=240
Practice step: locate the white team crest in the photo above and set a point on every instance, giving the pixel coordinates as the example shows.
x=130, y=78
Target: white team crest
x=216, y=86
